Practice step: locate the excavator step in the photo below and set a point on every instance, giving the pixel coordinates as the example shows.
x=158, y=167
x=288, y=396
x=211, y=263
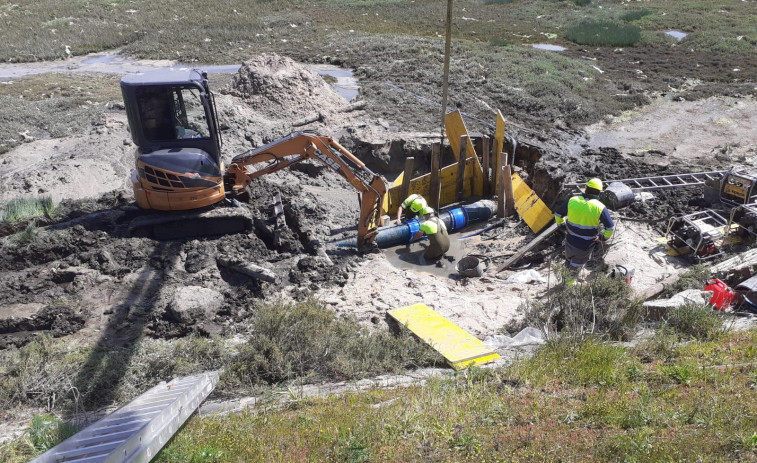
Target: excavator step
x=137, y=431
x=662, y=182
x=175, y=225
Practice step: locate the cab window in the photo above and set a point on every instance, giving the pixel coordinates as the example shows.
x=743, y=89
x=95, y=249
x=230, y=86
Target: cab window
x=172, y=113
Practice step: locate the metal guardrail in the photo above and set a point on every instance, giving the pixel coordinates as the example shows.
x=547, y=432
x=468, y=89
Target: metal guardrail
x=137, y=431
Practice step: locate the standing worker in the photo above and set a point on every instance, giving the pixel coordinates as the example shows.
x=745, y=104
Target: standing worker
x=433, y=227
x=581, y=217
x=414, y=203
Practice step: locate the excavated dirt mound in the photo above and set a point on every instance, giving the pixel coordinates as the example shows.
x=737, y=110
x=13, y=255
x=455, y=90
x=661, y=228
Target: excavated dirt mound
x=280, y=88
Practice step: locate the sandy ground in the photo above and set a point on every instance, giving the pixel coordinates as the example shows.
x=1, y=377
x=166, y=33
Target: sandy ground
x=722, y=128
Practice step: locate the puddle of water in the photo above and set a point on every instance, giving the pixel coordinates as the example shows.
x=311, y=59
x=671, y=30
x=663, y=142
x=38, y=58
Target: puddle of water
x=411, y=258
x=548, y=47
x=99, y=59
x=677, y=34
x=345, y=85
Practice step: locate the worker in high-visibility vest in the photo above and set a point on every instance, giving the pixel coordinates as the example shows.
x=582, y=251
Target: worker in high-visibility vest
x=433, y=227
x=581, y=218
x=413, y=203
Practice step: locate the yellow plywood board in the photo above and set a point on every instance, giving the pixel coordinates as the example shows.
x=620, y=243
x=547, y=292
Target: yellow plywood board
x=398, y=181
x=455, y=127
x=422, y=186
x=460, y=348
x=530, y=207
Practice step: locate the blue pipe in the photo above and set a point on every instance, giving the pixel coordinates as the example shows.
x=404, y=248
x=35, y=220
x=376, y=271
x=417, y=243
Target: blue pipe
x=454, y=219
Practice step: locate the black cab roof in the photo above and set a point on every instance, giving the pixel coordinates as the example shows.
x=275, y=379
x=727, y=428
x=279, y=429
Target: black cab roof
x=166, y=76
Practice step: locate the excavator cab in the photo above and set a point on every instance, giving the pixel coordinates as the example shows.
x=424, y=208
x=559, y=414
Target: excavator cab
x=173, y=123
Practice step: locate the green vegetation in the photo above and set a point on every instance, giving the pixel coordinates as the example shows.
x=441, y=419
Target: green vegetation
x=603, y=307
x=44, y=432
x=571, y=402
x=695, y=321
x=232, y=30
x=303, y=342
x=634, y=15
x=307, y=341
x=20, y=209
x=604, y=34
x=693, y=278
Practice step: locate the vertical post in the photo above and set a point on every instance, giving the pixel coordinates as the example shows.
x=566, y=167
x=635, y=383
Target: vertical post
x=461, y=166
x=409, y=164
x=501, y=212
x=434, y=189
x=509, y=197
x=486, y=146
x=501, y=160
x=445, y=78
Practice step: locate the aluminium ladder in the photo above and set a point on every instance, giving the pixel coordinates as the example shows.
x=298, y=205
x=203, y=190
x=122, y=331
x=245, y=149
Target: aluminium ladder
x=137, y=431
x=662, y=182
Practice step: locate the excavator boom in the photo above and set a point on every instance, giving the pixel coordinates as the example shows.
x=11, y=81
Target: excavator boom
x=299, y=146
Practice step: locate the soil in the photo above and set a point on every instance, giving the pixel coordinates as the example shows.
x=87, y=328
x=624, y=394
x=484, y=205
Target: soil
x=84, y=276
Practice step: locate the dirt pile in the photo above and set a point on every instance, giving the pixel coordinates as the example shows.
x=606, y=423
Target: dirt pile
x=280, y=88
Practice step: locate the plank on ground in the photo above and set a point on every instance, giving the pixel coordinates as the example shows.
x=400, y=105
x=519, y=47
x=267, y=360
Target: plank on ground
x=460, y=348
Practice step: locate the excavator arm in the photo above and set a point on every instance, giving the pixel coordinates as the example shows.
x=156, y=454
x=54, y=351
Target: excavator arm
x=299, y=146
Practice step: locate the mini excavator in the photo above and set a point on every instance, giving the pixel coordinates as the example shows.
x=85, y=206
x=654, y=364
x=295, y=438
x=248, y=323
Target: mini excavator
x=173, y=122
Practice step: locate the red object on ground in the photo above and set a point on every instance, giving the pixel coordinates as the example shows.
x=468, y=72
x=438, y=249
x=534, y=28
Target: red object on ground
x=722, y=295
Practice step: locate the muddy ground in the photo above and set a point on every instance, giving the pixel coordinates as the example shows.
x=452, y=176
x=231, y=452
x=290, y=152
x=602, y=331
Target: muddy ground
x=82, y=275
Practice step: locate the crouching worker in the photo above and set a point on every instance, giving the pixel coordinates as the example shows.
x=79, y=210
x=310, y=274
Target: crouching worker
x=433, y=227
x=581, y=217
x=411, y=206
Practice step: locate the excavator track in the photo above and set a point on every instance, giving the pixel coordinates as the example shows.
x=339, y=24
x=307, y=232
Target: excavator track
x=192, y=224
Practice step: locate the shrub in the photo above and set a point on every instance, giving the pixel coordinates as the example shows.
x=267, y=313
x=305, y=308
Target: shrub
x=695, y=321
x=581, y=2
x=497, y=2
x=604, y=34
x=601, y=307
x=308, y=340
x=693, y=278
x=635, y=15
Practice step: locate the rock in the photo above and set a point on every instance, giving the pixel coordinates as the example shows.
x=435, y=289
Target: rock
x=193, y=303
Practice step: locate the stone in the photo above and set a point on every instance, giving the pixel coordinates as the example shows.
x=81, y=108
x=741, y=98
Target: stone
x=193, y=303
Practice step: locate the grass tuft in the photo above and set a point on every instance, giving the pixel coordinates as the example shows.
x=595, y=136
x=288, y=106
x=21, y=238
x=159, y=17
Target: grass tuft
x=44, y=432
x=20, y=209
x=695, y=321
x=604, y=33
x=565, y=363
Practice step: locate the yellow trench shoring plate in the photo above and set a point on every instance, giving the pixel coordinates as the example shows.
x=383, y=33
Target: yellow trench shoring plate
x=460, y=348
x=530, y=207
